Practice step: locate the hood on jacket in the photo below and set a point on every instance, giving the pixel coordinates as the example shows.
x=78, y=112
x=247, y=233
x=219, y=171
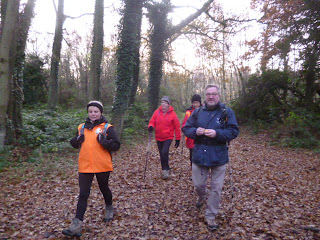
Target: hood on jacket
x=169, y=110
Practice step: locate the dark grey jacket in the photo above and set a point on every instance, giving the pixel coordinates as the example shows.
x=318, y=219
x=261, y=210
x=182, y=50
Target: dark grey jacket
x=211, y=151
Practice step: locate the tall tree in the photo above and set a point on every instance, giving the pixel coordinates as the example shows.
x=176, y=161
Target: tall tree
x=7, y=35
x=127, y=59
x=96, y=51
x=17, y=59
x=137, y=43
x=55, y=57
x=161, y=35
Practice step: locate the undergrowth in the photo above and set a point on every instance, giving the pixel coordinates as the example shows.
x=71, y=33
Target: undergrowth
x=299, y=130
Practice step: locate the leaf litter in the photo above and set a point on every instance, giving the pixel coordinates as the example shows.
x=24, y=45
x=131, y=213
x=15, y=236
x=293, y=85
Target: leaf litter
x=276, y=194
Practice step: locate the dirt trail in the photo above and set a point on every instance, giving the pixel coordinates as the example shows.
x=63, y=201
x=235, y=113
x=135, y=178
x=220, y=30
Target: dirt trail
x=276, y=196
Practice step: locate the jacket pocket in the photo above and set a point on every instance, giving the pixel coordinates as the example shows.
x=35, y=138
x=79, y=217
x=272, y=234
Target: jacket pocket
x=200, y=155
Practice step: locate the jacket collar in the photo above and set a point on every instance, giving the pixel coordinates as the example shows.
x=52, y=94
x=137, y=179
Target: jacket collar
x=218, y=106
x=170, y=109
x=90, y=125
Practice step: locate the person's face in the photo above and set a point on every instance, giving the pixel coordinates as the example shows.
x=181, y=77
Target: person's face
x=94, y=113
x=195, y=104
x=165, y=105
x=212, y=97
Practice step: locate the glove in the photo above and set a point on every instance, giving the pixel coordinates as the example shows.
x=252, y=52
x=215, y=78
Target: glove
x=150, y=129
x=177, y=143
x=101, y=138
x=80, y=138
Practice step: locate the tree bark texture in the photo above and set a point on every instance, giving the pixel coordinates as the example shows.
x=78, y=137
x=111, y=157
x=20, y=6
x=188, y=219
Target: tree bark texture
x=7, y=35
x=17, y=56
x=159, y=20
x=137, y=43
x=96, y=51
x=55, y=58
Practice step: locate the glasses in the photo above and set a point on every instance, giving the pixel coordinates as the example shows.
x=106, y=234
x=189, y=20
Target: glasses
x=212, y=94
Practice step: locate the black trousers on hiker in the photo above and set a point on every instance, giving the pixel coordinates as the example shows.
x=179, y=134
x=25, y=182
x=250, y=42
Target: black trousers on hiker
x=190, y=150
x=163, y=147
x=85, y=181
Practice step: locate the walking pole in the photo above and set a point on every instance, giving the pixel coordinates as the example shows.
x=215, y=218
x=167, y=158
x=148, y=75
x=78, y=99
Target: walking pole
x=231, y=183
x=182, y=145
x=145, y=169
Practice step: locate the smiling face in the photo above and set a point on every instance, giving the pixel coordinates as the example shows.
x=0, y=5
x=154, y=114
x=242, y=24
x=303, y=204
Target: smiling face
x=94, y=113
x=212, y=97
x=195, y=104
x=165, y=106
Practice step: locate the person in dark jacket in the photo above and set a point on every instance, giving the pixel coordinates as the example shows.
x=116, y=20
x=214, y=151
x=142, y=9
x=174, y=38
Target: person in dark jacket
x=212, y=126
x=96, y=139
x=166, y=124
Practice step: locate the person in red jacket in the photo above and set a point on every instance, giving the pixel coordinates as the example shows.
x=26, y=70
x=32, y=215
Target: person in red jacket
x=166, y=124
x=196, y=102
x=96, y=139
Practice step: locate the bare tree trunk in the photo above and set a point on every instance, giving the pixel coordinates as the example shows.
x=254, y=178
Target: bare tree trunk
x=55, y=58
x=96, y=51
x=7, y=35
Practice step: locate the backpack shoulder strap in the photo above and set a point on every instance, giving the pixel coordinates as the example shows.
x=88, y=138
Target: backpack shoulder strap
x=224, y=117
x=82, y=129
x=196, y=112
x=106, y=126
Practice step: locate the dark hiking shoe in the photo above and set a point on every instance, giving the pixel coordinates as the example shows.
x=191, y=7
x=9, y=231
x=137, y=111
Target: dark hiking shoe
x=212, y=225
x=74, y=229
x=109, y=213
x=165, y=174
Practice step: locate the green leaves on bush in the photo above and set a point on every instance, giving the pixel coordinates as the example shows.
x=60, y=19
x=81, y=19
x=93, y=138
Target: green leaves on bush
x=50, y=130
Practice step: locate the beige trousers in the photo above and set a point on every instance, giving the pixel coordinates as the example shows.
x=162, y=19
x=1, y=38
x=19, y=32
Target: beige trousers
x=200, y=175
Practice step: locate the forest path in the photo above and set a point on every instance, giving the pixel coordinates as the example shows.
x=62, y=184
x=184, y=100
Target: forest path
x=276, y=196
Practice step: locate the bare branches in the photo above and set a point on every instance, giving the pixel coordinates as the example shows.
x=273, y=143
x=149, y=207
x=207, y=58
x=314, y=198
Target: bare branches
x=189, y=19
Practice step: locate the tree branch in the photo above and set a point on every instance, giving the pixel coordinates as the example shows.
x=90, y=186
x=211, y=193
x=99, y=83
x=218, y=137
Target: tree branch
x=185, y=22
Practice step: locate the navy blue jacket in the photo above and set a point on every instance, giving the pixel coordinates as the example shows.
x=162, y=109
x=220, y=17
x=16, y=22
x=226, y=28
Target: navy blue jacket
x=211, y=151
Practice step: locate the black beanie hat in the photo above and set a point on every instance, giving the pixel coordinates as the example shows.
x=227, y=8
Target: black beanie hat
x=196, y=97
x=96, y=104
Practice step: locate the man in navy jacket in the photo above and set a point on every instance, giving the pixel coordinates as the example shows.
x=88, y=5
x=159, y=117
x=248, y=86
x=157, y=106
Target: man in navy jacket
x=212, y=126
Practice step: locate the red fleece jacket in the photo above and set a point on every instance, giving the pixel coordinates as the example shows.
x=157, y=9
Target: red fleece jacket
x=165, y=124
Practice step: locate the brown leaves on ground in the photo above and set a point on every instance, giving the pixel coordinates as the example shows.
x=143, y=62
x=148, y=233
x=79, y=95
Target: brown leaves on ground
x=276, y=196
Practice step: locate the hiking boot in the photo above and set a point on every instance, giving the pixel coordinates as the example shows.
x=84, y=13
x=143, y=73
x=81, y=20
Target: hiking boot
x=109, y=213
x=212, y=225
x=200, y=202
x=74, y=229
x=165, y=174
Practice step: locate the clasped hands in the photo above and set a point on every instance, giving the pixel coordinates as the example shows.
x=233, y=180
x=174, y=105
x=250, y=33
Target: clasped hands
x=207, y=132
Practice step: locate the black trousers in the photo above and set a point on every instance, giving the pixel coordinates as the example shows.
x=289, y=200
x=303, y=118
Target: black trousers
x=190, y=150
x=163, y=147
x=85, y=181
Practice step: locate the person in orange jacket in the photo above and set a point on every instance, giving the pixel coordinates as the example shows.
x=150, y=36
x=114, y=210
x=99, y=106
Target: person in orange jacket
x=196, y=102
x=96, y=139
x=166, y=124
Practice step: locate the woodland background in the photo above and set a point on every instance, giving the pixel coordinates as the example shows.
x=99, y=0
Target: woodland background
x=269, y=76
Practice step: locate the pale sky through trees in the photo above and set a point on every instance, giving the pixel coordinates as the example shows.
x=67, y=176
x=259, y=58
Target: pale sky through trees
x=43, y=24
